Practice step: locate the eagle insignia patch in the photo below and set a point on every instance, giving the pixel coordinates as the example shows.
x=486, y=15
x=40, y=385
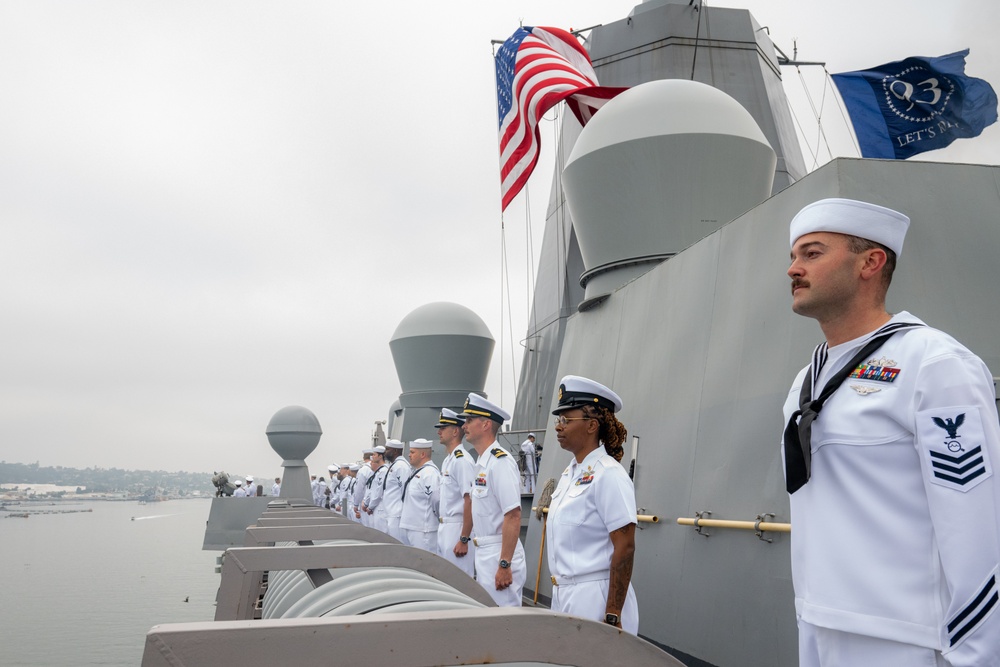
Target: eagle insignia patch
x=953, y=439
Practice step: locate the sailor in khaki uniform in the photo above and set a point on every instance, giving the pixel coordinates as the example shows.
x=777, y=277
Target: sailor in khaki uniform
x=891, y=438
x=455, y=531
x=590, y=532
x=496, y=505
x=392, y=487
x=372, y=503
x=421, y=498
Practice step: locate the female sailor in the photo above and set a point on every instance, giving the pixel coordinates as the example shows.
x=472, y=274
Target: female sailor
x=592, y=518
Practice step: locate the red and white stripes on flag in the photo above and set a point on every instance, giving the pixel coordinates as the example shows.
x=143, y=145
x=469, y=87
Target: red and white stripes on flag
x=536, y=68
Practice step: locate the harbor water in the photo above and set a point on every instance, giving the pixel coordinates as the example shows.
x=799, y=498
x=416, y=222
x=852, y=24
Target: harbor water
x=83, y=588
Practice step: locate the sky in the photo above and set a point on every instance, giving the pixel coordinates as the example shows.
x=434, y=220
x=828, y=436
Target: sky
x=212, y=210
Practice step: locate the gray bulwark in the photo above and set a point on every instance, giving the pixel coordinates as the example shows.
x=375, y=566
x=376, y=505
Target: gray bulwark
x=492, y=636
x=703, y=348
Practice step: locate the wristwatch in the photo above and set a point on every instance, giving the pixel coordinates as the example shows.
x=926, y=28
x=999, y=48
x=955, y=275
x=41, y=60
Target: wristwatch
x=611, y=619
x=464, y=539
x=504, y=563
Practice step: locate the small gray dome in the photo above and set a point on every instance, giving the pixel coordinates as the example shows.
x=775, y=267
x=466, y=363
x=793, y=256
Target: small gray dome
x=293, y=433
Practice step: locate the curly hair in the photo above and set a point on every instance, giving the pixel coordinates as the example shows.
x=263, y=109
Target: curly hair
x=612, y=433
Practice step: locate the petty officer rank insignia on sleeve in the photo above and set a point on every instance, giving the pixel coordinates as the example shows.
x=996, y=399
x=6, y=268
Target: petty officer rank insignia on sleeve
x=952, y=439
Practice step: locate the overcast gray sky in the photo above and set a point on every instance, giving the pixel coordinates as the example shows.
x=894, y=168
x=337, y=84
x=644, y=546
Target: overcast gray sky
x=212, y=210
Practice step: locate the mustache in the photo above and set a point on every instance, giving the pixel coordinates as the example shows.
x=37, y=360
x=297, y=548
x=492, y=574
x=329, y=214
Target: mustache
x=797, y=282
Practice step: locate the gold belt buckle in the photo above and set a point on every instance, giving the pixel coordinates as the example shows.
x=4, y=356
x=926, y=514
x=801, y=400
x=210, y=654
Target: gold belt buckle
x=554, y=581
x=440, y=520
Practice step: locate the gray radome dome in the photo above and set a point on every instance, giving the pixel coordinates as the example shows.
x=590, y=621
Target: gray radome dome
x=441, y=346
x=663, y=107
x=441, y=318
x=657, y=169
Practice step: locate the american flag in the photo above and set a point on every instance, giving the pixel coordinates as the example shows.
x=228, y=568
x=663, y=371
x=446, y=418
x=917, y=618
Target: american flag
x=536, y=69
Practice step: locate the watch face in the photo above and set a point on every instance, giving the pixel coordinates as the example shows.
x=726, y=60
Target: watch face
x=505, y=564
x=611, y=619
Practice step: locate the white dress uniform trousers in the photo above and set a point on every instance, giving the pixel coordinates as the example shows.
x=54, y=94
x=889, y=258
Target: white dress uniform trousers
x=456, y=483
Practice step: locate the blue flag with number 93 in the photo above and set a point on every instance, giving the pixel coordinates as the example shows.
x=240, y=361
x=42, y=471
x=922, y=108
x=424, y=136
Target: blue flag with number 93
x=915, y=105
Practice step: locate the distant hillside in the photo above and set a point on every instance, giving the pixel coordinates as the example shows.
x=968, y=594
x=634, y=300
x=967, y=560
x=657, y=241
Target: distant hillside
x=108, y=480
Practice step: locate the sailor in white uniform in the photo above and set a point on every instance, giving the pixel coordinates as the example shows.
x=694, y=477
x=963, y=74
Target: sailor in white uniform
x=276, y=487
x=332, y=487
x=891, y=438
x=530, y=469
x=455, y=529
x=372, y=503
x=342, y=487
x=392, y=487
x=348, y=501
x=421, y=498
x=361, y=486
x=314, y=485
x=240, y=492
x=251, y=487
x=496, y=505
x=590, y=531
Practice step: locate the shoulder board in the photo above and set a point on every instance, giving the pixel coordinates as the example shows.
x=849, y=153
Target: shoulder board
x=459, y=453
x=499, y=453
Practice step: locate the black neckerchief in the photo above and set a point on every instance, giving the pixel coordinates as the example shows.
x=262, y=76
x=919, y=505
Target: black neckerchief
x=798, y=432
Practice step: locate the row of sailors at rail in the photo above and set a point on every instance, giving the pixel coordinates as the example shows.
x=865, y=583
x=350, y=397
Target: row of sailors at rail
x=470, y=513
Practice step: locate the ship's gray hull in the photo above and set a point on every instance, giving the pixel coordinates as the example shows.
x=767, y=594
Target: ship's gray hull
x=703, y=349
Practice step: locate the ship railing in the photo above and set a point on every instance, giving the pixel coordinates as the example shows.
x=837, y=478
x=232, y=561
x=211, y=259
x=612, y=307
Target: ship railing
x=308, y=579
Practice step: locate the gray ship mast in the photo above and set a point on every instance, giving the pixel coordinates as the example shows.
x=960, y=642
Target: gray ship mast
x=661, y=39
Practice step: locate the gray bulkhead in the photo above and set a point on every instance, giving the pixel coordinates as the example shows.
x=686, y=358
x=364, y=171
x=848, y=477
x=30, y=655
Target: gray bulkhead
x=703, y=349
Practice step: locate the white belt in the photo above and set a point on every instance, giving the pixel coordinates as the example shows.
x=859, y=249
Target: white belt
x=487, y=540
x=450, y=519
x=580, y=579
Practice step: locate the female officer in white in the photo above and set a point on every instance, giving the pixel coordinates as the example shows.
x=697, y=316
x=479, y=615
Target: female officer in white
x=592, y=518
